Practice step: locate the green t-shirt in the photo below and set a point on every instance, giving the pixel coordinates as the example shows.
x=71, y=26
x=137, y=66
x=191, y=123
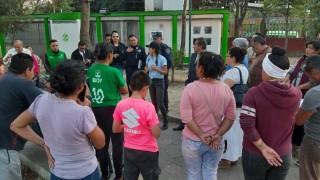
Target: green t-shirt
x=105, y=82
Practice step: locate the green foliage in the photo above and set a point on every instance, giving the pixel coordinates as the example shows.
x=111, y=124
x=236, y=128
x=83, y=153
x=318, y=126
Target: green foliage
x=312, y=22
x=177, y=58
x=11, y=10
x=45, y=7
x=8, y=24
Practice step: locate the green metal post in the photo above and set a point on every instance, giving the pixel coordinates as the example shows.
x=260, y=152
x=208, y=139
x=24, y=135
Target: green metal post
x=141, y=30
x=47, y=32
x=174, y=32
x=99, y=29
x=225, y=35
x=3, y=45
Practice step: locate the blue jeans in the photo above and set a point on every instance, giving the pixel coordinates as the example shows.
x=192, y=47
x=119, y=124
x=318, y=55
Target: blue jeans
x=257, y=167
x=10, y=166
x=93, y=176
x=200, y=159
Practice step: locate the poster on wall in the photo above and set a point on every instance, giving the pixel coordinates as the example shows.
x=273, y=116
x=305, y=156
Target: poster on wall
x=67, y=33
x=152, y=33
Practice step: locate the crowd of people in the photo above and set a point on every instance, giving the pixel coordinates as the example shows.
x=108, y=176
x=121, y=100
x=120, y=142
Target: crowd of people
x=82, y=108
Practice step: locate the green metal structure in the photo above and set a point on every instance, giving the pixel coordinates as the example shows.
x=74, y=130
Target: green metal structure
x=174, y=14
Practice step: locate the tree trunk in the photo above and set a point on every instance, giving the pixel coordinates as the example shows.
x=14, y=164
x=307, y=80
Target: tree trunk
x=54, y=6
x=85, y=23
x=183, y=41
x=287, y=26
x=237, y=25
x=183, y=28
x=240, y=13
x=263, y=26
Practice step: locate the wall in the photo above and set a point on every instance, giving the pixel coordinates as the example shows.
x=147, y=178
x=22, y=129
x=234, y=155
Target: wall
x=67, y=33
x=296, y=46
x=201, y=22
x=158, y=23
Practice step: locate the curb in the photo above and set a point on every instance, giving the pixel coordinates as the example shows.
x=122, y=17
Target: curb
x=34, y=157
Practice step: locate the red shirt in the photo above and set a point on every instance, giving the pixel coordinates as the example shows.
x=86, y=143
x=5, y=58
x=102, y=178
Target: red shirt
x=268, y=112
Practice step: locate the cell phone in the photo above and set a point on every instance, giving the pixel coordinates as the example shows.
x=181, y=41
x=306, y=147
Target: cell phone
x=82, y=95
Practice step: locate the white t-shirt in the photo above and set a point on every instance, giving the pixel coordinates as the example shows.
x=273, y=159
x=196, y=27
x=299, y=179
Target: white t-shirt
x=234, y=74
x=14, y=52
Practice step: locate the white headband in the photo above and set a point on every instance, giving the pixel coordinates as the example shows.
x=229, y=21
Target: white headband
x=273, y=70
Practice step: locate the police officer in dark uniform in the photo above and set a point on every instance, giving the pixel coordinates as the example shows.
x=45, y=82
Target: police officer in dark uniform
x=135, y=56
x=165, y=51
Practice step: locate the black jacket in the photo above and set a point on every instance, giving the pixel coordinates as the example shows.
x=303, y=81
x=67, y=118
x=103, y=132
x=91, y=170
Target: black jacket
x=132, y=58
x=121, y=59
x=87, y=55
x=192, y=75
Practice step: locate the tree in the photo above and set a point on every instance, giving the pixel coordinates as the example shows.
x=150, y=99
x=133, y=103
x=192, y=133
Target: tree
x=183, y=27
x=312, y=21
x=240, y=10
x=178, y=55
x=9, y=23
x=238, y=7
x=85, y=23
x=290, y=10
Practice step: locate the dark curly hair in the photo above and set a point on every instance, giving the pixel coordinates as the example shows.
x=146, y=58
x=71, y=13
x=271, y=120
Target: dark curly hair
x=68, y=76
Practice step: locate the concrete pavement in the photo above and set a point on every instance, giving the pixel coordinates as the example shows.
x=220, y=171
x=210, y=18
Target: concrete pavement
x=170, y=160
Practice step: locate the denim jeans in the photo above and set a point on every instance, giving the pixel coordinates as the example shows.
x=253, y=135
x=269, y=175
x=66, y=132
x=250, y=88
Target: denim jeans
x=93, y=176
x=200, y=159
x=309, y=159
x=257, y=167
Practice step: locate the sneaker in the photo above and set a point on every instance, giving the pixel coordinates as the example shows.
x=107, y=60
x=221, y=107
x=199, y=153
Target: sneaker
x=297, y=163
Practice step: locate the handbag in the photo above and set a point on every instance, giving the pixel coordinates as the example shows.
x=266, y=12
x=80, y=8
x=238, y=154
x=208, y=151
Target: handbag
x=239, y=90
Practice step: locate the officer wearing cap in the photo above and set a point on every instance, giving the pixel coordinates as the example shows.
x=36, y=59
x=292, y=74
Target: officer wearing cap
x=135, y=56
x=165, y=51
x=156, y=66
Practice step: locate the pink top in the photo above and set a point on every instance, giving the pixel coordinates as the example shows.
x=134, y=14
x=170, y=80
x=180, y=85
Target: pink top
x=35, y=64
x=194, y=106
x=137, y=116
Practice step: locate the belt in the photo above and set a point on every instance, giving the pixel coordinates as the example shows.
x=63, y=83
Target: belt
x=156, y=79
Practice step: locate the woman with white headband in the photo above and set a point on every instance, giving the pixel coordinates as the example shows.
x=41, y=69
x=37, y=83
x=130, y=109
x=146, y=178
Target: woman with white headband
x=267, y=120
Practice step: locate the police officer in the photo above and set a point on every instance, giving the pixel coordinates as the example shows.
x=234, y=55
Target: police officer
x=135, y=56
x=165, y=51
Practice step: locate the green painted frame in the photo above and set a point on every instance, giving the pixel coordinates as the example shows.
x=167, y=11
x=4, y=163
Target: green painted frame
x=141, y=15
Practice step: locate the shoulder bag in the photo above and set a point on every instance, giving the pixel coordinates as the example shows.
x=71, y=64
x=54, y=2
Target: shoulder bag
x=239, y=90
